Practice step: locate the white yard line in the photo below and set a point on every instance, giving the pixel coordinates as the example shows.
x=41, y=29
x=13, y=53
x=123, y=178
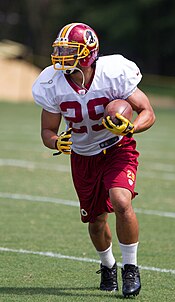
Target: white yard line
x=155, y=175
x=32, y=198
x=60, y=256
x=157, y=166
x=33, y=165
x=168, y=171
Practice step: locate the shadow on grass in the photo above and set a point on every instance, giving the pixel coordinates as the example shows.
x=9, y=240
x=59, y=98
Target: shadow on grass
x=62, y=291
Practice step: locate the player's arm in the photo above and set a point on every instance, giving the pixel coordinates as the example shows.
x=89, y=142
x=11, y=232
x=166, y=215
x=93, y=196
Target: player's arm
x=144, y=120
x=140, y=103
x=50, y=123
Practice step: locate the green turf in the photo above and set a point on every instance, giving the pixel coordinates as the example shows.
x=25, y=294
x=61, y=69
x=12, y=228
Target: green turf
x=27, y=167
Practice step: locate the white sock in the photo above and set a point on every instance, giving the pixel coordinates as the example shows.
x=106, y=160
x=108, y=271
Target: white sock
x=106, y=257
x=129, y=253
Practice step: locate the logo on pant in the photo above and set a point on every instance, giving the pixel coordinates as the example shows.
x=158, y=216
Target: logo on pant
x=83, y=212
x=131, y=177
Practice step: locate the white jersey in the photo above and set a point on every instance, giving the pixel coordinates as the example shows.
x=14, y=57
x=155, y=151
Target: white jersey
x=115, y=78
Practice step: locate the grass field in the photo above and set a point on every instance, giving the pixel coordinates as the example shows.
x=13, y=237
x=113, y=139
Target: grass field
x=45, y=251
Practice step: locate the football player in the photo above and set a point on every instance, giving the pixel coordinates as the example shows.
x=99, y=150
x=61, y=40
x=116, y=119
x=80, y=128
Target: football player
x=78, y=86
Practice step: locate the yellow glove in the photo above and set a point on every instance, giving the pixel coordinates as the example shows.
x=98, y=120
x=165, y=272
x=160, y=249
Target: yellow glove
x=62, y=144
x=124, y=127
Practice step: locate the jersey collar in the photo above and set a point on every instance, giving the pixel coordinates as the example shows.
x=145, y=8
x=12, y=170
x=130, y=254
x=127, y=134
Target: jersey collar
x=78, y=89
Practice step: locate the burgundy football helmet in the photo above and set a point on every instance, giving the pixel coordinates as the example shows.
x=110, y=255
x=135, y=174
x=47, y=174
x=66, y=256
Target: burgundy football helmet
x=75, y=43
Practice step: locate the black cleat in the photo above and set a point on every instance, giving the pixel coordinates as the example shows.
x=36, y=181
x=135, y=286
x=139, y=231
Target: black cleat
x=108, y=278
x=131, y=280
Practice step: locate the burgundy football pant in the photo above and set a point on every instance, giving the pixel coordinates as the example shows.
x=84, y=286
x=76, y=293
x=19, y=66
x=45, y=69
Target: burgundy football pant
x=93, y=176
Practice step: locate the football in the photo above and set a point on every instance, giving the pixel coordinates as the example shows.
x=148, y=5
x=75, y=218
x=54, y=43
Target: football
x=118, y=106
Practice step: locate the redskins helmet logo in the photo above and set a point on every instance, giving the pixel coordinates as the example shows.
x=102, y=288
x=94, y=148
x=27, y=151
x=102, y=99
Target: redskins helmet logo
x=90, y=38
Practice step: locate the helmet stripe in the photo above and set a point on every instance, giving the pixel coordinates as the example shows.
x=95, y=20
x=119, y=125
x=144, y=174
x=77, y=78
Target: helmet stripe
x=65, y=31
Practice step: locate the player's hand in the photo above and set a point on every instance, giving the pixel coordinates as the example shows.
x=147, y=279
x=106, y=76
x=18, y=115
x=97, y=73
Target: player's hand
x=62, y=144
x=124, y=126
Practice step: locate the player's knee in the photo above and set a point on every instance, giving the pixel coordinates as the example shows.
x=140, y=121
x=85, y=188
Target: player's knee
x=121, y=200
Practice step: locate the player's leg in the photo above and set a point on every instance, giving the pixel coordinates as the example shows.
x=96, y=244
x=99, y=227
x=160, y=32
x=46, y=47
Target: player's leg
x=126, y=222
x=100, y=235
x=87, y=175
x=127, y=232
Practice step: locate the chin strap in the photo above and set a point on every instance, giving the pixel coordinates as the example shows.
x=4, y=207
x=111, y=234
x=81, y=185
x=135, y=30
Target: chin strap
x=69, y=71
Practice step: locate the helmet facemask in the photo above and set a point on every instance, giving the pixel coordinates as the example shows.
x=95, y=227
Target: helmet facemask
x=68, y=54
